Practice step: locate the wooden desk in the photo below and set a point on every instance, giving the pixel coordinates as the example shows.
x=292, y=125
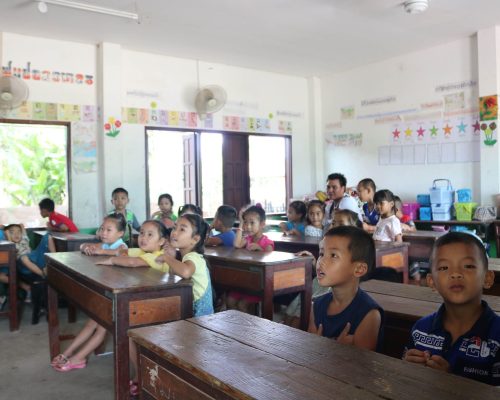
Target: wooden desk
x=388, y=254
x=404, y=305
x=68, y=241
x=482, y=227
x=239, y=356
x=421, y=243
x=263, y=274
x=117, y=298
x=8, y=257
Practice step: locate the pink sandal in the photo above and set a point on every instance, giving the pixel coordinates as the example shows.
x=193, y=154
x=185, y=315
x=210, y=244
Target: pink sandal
x=134, y=388
x=69, y=366
x=60, y=359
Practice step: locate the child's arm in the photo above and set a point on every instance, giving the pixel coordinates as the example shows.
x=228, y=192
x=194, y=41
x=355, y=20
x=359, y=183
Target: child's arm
x=213, y=241
x=32, y=266
x=95, y=249
x=408, y=227
x=183, y=269
x=398, y=238
x=366, y=334
x=312, y=326
x=60, y=228
x=369, y=228
x=239, y=241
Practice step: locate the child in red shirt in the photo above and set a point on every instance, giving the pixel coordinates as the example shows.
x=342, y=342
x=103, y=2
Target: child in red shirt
x=57, y=222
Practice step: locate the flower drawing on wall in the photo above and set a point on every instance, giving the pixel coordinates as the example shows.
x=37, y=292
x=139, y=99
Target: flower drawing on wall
x=488, y=108
x=111, y=128
x=489, y=133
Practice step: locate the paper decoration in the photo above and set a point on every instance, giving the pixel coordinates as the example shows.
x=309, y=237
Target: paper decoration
x=39, y=111
x=84, y=149
x=192, y=120
x=88, y=113
x=132, y=115
x=347, y=112
x=111, y=128
x=488, y=108
x=347, y=140
x=490, y=133
x=143, y=116
x=173, y=118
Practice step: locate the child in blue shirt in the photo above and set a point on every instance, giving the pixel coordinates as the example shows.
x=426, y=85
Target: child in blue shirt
x=463, y=336
x=366, y=190
x=347, y=313
x=223, y=224
x=296, y=225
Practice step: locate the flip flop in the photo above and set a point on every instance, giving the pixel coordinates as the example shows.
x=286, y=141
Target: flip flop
x=133, y=388
x=69, y=366
x=60, y=359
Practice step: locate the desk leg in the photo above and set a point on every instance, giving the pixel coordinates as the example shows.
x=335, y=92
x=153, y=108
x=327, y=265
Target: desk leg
x=54, y=343
x=306, y=297
x=13, y=316
x=121, y=348
x=267, y=298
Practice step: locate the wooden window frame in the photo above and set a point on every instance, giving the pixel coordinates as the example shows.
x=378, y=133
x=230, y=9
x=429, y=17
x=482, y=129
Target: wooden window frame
x=197, y=133
x=68, y=150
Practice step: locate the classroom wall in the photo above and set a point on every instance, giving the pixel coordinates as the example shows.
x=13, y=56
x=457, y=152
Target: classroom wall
x=131, y=87
x=436, y=87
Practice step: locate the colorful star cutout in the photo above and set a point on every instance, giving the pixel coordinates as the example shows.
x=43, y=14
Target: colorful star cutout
x=477, y=127
x=420, y=131
x=408, y=132
x=461, y=127
x=395, y=133
x=447, y=130
x=434, y=131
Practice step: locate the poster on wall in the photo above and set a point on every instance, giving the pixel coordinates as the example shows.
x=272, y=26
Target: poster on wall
x=84, y=157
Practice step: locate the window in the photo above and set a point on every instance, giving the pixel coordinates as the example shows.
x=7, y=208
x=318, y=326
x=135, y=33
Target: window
x=210, y=169
x=34, y=165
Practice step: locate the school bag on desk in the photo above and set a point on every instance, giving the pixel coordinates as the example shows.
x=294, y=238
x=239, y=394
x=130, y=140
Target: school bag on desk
x=485, y=213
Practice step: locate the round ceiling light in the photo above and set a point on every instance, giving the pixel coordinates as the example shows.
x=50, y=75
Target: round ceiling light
x=415, y=6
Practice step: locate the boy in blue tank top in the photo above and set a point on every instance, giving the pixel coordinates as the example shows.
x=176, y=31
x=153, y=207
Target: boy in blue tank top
x=347, y=313
x=463, y=336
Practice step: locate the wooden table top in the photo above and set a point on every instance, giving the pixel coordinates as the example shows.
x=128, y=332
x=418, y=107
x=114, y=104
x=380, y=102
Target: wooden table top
x=113, y=278
x=244, y=256
x=7, y=244
x=414, y=293
x=67, y=235
x=250, y=357
x=422, y=235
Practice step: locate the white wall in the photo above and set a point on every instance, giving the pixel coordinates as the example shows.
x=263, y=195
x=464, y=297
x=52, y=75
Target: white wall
x=412, y=79
x=126, y=78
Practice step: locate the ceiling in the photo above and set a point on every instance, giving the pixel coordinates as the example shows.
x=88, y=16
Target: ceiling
x=298, y=37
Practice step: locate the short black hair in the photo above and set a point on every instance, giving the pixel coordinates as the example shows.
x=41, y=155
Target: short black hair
x=226, y=215
x=119, y=190
x=361, y=245
x=163, y=231
x=398, y=204
x=47, y=204
x=300, y=208
x=119, y=220
x=341, y=178
x=166, y=196
x=353, y=217
x=368, y=183
x=189, y=208
x=8, y=227
x=256, y=210
x=314, y=203
x=460, y=237
x=200, y=227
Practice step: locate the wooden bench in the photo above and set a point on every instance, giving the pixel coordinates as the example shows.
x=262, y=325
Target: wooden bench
x=8, y=258
x=403, y=306
x=117, y=298
x=232, y=355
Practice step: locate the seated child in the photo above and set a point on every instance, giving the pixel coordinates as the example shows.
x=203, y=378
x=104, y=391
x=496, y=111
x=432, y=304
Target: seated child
x=120, y=200
x=407, y=225
x=57, y=222
x=92, y=334
x=30, y=264
x=463, y=336
x=296, y=217
x=388, y=227
x=345, y=218
x=315, y=215
x=165, y=214
x=190, y=208
x=366, y=190
x=252, y=222
x=347, y=313
x=223, y=224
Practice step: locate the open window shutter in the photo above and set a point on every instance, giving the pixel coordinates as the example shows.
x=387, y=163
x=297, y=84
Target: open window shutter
x=190, y=167
x=235, y=170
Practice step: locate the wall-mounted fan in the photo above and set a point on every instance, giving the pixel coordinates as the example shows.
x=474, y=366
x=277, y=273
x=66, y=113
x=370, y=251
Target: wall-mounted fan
x=13, y=91
x=209, y=99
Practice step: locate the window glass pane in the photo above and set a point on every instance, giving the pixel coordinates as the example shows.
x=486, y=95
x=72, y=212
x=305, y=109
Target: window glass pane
x=211, y=173
x=165, y=167
x=267, y=172
x=33, y=166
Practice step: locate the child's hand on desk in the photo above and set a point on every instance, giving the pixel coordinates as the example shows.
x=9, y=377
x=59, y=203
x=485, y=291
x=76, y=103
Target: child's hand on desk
x=417, y=356
x=88, y=249
x=438, y=362
x=344, y=336
x=108, y=261
x=254, y=247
